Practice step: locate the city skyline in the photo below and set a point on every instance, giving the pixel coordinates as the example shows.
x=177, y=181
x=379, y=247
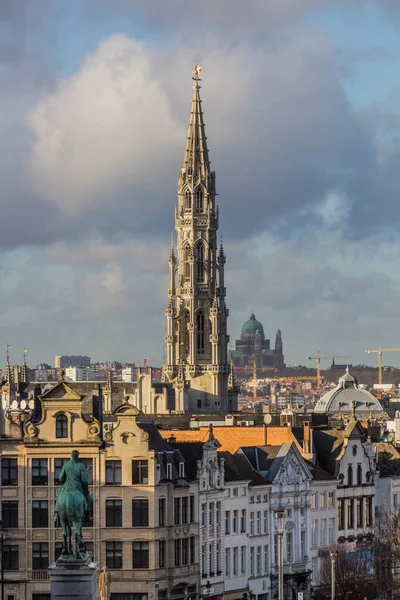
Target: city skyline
x=303, y=144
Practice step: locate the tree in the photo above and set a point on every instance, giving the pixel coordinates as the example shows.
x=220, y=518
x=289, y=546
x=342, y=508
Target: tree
x=387, y=552
x=353, y=573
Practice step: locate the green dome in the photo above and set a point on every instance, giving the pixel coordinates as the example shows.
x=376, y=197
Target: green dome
x=252, y=326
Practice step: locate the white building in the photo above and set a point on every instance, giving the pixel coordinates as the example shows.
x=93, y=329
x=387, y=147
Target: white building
x=78, y=374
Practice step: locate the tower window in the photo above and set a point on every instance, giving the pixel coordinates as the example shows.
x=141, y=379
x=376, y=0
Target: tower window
x=200, y=332
x=187, y=263
x=61, y=426
x=188, y=199
x=199, y=200
x=200, y=262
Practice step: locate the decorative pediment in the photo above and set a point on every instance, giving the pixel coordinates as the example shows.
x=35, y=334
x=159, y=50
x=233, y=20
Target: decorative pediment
x=61, y=391
x=292, y=470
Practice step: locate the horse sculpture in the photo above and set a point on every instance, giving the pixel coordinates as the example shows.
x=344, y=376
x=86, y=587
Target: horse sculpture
x=73, y=504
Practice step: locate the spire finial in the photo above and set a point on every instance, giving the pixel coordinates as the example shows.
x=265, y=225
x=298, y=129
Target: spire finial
x=353, y=410
x=8, y=353
x=196, y=73
x=210, y=432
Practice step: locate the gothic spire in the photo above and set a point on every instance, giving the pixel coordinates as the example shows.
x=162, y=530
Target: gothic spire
x=8, y=372
x=24, y=370
x=196, y=161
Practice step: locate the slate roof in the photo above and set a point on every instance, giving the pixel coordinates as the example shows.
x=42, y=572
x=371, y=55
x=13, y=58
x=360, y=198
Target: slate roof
x=387, y=459
x=328, y=443
x=191, y=452
x=156, y=442
x=341, y=398
x=319, y=474
x=238, y=469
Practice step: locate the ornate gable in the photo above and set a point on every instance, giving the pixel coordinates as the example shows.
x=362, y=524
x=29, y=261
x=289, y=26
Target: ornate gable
x=61, y=391
x=292, y=470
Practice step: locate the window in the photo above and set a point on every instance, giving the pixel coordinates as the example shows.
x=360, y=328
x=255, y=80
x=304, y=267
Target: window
x=243, y=491
x=114, y=555
x=368, y=512
x=40, y=513
x=10, y=557
x=227, y=562
x=192, y=550
x=323, y=533
x=58, y=465
x=266, y=560
x=185, y=551
x=185, y=509
x=314, y=569
x=289, y=546
x=188, y=199
x=88, y=463
x=227, y=522
x=350, y=513
x=113, y=473
x=161, y=553
x=140, y=513
x=252, y=561
x=251, y=523
x=211, y=557
x=192, y=509
x=218, y=513
x=243, y=520
x=235, y=521
x=395, y=499
x=9, y=471
x=140, y=472
x=350, y=475
x=265, y=522
x=218, y=556
x=314, y=500
x=354, y=450
x=169, y=471
x=243, y=560
x=39, y=471
x=235, y=492
x=113, y=513
x=200, y=262
x=203, y=514
x=203, y=562
x=331, y=530
x=341, y=513
x=9, y=513
x=359, y=511
x=302, y=543
x=322, y=500
x=211, y=515
x=258, y=523
x=359, y=474
x=40, y=556
x=61, y=426
x=200, y=332
x=235, y=560
x=182, y=470
x=187, y=262
x=177, y=552
x=331, y=499
x=314, y=532
x=199, y=200
x=177, y=511
x=161, y=511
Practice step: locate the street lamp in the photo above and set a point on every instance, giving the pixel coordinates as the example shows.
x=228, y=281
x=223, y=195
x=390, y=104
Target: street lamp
x=333, y=574
x=280, y=515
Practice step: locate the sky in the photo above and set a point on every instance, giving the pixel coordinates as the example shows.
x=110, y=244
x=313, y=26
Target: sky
x=301, y=101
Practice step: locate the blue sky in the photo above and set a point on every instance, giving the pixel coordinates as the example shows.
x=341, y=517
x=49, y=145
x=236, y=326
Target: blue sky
x=301, y=104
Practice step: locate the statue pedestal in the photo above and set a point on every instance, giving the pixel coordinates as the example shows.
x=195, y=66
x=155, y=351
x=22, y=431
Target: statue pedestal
x=73, y=580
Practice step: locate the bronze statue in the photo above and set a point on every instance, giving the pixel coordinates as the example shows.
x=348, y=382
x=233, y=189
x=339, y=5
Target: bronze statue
x=73, y=504
x=104, y=584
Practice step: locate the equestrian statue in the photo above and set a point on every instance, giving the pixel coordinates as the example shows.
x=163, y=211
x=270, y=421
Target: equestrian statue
x=73, y=505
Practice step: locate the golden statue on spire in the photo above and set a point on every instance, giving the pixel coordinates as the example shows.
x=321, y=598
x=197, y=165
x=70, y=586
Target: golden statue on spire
x=197, y=71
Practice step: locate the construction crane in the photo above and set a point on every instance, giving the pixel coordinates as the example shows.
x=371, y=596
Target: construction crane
x=318, y=358
x=380, y=351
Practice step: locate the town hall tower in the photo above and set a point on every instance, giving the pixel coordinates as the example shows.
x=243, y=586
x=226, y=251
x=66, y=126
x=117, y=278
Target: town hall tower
x=197, y=339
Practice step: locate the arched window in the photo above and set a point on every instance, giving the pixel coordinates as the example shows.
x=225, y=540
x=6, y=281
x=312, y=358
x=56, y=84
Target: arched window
x=359, y=475
x=200, y=332
x=350, y=475
x=199, y=200
x=186, y=331
x=187, y=263
x=188, y=199
x=200, y=263
x=61, y=426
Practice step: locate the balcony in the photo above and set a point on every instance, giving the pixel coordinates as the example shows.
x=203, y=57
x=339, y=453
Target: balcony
x=38, y=576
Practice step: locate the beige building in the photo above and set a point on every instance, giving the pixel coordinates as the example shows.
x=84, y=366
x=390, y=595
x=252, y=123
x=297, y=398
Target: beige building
x=145, y=525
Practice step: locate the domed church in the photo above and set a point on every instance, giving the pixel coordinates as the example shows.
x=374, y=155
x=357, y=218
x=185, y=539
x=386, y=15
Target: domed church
x=253, y=345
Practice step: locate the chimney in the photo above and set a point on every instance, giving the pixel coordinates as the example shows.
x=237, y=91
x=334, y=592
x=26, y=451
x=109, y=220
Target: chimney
x=306, y=437
x=171, y=439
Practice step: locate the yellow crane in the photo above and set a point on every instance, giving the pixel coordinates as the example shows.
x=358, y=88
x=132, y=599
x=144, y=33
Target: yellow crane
x=318, y=358
x=380, y=351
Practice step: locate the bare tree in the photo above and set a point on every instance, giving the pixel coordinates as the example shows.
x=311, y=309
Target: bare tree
x=387, y=553
x=353, y=574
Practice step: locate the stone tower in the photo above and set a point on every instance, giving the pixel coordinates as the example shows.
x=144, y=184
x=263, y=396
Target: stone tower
x=197, y=339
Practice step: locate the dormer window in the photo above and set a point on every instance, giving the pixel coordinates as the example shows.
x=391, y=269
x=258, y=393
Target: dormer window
x=182, y=469
x=169, y=471
x=61, y=426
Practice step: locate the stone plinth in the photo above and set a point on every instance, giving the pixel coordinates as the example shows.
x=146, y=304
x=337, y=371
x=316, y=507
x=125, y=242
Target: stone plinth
x=73, y=580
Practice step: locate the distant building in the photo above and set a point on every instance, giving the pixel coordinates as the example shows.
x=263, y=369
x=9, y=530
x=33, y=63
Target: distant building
x=73, y=360
x=78, y=374
x=254, y=346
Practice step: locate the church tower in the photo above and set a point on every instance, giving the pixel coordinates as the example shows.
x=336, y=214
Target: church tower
x=197, y=339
